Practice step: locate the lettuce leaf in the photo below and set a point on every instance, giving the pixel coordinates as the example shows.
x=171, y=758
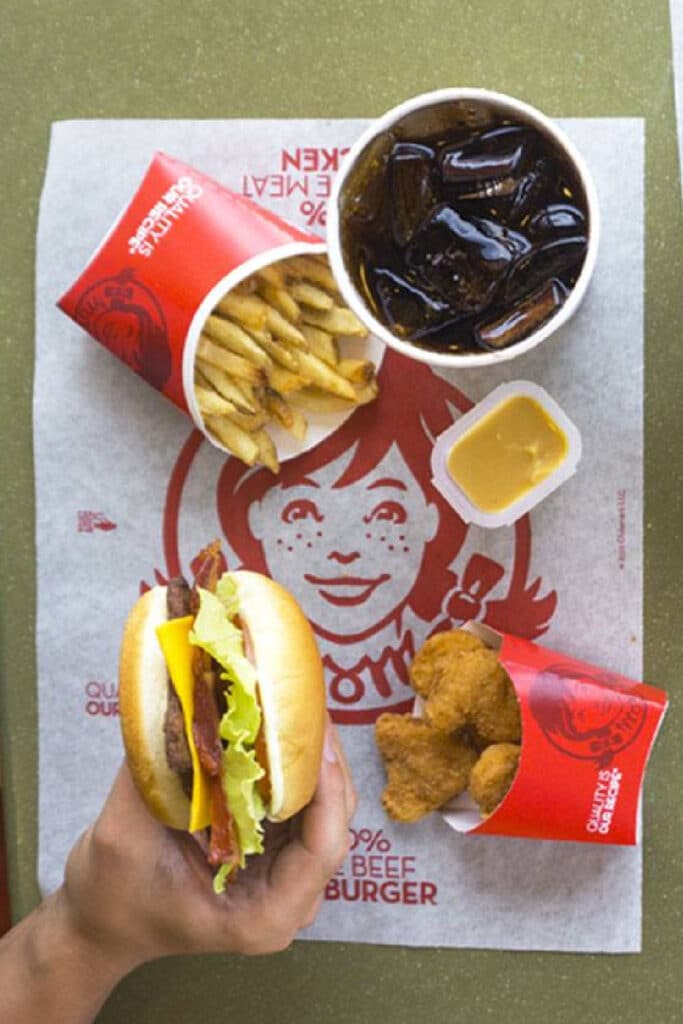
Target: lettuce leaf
x=218, y=636
x=239, y=728
x=226, y=592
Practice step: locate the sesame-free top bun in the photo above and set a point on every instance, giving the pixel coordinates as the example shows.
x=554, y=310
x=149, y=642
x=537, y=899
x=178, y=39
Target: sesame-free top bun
x=143, y=695
x=281, y=646
x=291, y=684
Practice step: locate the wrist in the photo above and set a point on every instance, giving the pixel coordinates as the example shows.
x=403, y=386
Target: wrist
x=51, y=970
x=91, y=955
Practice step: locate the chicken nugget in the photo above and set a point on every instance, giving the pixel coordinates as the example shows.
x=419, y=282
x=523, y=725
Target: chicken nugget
x=474, y=690
x=495, y=713
x=492, y=775
x=450, y=703
x=425, y=769
x=441, y=647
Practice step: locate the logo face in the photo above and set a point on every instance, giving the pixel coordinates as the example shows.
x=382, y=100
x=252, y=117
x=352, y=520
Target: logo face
x=589, y=717
x=125, y=316
x=354, y=529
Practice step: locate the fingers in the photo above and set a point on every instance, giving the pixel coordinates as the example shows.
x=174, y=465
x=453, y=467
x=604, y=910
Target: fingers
x=325, y=822
x=303, y=868
x=334, y=749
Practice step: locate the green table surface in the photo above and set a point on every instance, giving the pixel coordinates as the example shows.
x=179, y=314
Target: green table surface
x=314, y=58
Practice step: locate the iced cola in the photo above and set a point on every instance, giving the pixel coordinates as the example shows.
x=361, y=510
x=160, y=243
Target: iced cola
x=466, y=238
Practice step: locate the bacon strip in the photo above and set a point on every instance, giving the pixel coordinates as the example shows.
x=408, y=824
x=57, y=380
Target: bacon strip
x=209, y=566
x=223, y=845
x=206, y=721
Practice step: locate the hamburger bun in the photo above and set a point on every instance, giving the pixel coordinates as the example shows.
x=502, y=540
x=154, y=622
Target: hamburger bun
x=281, y=646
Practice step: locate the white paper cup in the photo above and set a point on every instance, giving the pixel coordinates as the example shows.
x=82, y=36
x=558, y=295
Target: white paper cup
x=220, y=289
x=480, y=105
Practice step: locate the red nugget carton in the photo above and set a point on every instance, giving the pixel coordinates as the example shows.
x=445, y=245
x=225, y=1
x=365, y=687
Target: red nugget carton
x=183, y=241
x=586, y=737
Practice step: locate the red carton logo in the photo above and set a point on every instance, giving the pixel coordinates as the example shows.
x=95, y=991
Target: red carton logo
x=126, y=317
x=594, y=731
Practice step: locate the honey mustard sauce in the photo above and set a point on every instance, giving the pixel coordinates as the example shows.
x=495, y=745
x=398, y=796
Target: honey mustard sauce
x=507, y=453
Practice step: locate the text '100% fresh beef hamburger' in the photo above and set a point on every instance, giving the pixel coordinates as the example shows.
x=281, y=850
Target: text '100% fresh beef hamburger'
x=222, y=707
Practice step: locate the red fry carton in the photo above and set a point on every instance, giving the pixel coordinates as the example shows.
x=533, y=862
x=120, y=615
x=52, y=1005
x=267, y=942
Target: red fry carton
x=586, y=737
x=182, y=242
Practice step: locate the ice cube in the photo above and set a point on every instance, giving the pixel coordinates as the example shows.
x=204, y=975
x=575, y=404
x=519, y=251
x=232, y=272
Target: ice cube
x=529, y=189
x=521, y=319
x=408, y=307
x=557, y=219
x=365, y=190
x=412, y=188
x=463, y=258
x=560, y=257
x=487, y=161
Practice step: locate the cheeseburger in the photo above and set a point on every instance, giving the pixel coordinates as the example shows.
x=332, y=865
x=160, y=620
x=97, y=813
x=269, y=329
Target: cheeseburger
x=222, y=707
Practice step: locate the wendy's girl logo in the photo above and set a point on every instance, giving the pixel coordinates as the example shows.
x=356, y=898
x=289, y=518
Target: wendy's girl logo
x=589, y=716
x=126, y=317
x=372, y=552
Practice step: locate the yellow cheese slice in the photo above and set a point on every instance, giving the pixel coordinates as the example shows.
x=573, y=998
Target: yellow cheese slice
x=174, y=640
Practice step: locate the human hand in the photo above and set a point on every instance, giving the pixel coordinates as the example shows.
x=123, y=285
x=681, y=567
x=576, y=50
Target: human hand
x=137, y=890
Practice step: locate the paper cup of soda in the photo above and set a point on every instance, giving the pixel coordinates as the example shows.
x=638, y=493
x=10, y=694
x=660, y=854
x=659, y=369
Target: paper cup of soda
x=463, y=227
x=586, y=738
x=183, y=241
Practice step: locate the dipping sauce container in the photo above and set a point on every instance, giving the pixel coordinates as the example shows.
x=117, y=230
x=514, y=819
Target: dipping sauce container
x=505, y=455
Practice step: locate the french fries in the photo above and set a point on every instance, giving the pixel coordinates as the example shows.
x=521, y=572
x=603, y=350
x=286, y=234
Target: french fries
x=324, y=376
x=314, y=400
x=321, y=344
x=309, y=295
x=281, y=300
x=270, y=351
x=246, y=309
x=212, y=354
x=288, y=416
x=239, y=442
x=336, y=320
x=358, y=371
x=232, y=337
x=224, y=385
